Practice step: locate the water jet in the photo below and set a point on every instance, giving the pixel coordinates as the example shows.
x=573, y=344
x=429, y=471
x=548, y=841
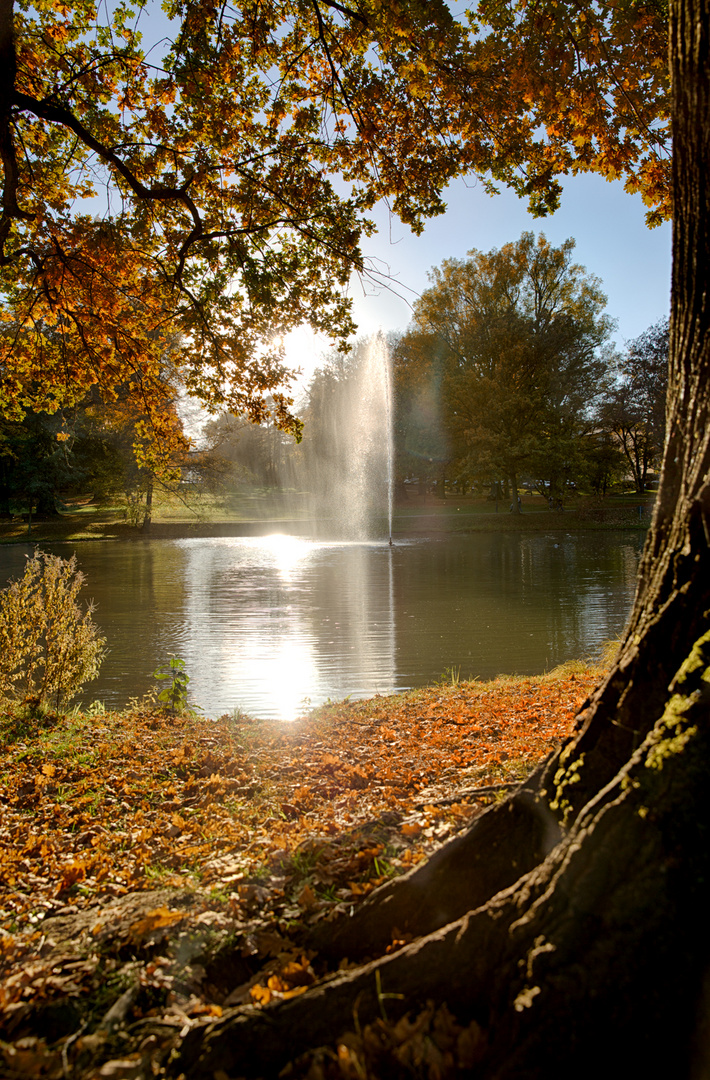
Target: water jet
x=349, y=446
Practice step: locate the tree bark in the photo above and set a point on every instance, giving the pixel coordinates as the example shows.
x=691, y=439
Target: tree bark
x=571, y=921
x=148, y=515
x=502, y=845
x=515, y=501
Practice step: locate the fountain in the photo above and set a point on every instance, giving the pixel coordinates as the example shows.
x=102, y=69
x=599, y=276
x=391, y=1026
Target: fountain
x=348, y=445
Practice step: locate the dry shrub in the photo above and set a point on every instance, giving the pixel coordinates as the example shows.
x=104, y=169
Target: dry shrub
x=49, y=646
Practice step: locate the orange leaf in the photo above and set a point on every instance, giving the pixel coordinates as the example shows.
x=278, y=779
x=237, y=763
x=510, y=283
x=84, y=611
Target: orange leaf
x=299, y=973
x=261, y=994
x=411, y=828
x=153, y=920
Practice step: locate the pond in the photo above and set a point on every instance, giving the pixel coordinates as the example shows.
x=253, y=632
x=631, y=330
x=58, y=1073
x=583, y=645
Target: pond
x=270, y=625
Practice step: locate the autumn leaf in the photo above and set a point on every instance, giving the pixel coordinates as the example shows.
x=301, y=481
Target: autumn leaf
x=157, y=919
x=261, y=995
x=411, y=828
x=299, y=973
x=261, y=878
x=307, y=898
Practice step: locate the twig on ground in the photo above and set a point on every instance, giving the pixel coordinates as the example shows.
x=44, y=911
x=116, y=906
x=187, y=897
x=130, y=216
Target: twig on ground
x=468, y=793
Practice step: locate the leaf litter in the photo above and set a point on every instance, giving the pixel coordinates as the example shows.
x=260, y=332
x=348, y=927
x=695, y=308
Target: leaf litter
x=157, y=870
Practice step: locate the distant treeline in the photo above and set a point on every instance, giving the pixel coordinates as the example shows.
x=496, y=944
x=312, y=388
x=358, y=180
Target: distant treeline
x=506, y=378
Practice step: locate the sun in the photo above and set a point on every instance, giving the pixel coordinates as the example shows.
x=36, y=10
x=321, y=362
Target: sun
x=304, y=351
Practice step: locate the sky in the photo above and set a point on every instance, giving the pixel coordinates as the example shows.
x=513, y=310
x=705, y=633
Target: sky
x=613, y=242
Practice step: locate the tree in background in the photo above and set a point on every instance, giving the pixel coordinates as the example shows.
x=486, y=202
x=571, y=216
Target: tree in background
x=328, y=409
x=49, y=457
x=424, y=446
x=634, y=407
x=512, y=340
x=601, y=466
x=34, y=465
x=254, y=455
x=88, y=449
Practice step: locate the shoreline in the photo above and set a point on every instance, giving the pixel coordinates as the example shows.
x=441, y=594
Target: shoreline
x=75, y=529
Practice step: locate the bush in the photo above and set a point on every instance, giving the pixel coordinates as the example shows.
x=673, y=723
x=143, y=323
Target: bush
x=49, y=647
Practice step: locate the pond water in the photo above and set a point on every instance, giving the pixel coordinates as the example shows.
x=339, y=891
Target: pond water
x=271, y=624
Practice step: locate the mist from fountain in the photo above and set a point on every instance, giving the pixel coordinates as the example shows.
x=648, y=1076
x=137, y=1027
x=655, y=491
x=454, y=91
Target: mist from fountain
x=349, y=451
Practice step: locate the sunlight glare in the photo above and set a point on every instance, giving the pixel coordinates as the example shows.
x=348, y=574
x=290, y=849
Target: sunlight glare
x=284, y=670
x=288, y=552
x=304, y=351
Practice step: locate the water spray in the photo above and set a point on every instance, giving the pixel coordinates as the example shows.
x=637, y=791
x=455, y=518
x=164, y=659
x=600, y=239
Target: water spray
x=386, y=362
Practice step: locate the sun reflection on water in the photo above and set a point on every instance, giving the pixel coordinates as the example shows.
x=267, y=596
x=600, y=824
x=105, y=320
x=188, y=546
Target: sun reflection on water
x=263, y=622
x=288, y=552
x=284, y=669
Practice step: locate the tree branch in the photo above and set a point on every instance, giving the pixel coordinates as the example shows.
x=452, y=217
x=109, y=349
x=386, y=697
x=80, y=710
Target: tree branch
x=346, y=11
x=8, y=70
x=337, y=81
x=57, y=114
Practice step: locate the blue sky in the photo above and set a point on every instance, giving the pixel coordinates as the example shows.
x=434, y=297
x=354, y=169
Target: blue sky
x=608, y=225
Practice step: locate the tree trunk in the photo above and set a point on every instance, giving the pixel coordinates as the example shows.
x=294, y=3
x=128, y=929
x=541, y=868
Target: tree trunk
x=515, y=503
x=46, y=506
x=148, y=515
x=571, y=921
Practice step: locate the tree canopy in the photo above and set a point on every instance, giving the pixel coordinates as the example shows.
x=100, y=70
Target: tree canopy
x=210, y=188
x=588, y=90
x=205, y=195
x=511, y=339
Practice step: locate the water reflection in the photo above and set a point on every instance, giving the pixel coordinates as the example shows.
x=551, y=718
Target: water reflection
x=281, y=621
x=265, y=624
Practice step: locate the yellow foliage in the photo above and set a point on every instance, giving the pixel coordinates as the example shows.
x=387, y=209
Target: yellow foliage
x=49, y=647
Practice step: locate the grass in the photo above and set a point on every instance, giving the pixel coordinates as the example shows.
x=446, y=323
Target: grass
x=253, y=512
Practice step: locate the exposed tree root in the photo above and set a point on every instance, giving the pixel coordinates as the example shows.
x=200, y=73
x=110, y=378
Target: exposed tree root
x=504, y=843
x=513, y=837
x=596, y=955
